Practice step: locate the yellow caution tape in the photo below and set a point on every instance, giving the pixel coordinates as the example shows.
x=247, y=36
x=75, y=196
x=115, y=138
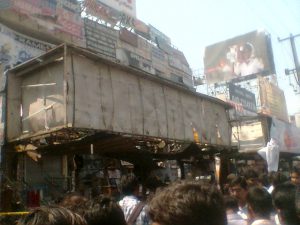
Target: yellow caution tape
x=13, y=213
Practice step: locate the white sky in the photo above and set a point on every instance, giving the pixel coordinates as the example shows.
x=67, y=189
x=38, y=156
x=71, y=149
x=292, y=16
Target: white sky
x=194, y=24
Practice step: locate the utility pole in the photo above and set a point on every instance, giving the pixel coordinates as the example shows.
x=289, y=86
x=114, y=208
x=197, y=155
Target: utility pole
x=295, y=57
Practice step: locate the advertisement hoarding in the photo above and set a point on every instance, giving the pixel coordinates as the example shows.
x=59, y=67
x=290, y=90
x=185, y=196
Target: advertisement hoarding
x=100, y=38
x=132, y=59
x=160, y=61
x=126, y=6
x=17, y=48
x=56, y=16
x=272, y=99
x=286, y=135
x=242, y=96
x=248, y=136
x=241, y=57
x=155, y=33
x=128, y=37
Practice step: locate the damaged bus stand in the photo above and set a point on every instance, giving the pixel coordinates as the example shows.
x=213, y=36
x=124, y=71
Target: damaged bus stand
x=76, y=121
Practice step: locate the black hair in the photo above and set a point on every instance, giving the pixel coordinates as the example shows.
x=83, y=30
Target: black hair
x=260, y=201
x=188, y=202
x=284, y=200
x=241, y=181
x=104, y=210
x=129, y=184
x=51, y=215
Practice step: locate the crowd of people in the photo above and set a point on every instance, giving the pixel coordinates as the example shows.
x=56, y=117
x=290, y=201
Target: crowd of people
x=247, y=199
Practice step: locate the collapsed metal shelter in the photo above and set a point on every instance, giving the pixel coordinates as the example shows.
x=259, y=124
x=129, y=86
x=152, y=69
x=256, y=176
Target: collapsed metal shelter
x=73, y=101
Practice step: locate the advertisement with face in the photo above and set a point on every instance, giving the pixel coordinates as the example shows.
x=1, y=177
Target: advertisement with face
x=240, y=57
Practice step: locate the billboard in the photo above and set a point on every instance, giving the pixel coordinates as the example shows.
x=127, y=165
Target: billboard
x=239, y=58
x=17, y=48
x=56, y=16
x=100, y=38
x=126, y=6
x=156, y=34
x=272, y=99
x=114, y=12
x=242, y=96
x=132, y=59
x=248, y=136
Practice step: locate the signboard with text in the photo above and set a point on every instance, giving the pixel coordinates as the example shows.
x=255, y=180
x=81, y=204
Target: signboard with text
x=62, y=16
x=272, y=100
x=135, y=60
x=248, y=136
x=17, y=48
x=242, y=96
x=100, y=38
x=126, y=6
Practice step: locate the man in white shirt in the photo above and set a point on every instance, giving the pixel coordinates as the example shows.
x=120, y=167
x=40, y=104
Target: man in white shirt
x=248, y=63
x=239, y=189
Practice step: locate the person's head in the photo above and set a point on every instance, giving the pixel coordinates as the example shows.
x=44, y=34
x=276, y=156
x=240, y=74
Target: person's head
x=188, y=202
x=51, y=215
x=277, y=178
x=104, y=210
x=74, y=201
x=239, y=190
x=151, y=184
x=129, y=185
x=246, y=51
x=284, y=200
x=251, y=177
x=295, y=176
x=263, y=180
x=259, y=202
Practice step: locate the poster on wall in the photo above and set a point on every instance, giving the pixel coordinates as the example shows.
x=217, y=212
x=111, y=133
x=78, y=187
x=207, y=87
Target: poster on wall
x=16, y=48
x=241, y=57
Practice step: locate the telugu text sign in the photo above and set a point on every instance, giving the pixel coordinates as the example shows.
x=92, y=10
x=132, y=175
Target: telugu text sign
x=100, y=38
x=272, y=100
x=242, y=96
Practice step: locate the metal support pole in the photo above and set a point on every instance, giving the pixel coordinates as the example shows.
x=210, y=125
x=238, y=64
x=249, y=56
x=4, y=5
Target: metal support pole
x=295, y=56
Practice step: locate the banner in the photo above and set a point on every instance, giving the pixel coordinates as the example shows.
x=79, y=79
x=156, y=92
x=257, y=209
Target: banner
x=128, y=37
x=126, y=6
x=241, y=57
x=54, y=16
x=100, y=38
x=17, y=48
x=272, y=100
x=248, y=136
x=242, y=96
x=155, y=33
x=286, y=135
x=132, y=59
